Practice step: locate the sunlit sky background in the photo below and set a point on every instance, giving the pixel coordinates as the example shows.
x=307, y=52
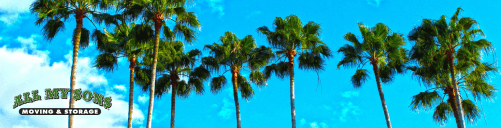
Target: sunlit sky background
x=28, y=62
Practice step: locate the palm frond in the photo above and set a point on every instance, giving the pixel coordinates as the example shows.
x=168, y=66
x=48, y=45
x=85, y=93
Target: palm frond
x=425, y=100
x=442, y=113
x=245, y=88
x=106, y=61
x=279, y=69
x=217, y=83
x=359, y=78
x=471, y=111
x=84, y=37
x=51, y=28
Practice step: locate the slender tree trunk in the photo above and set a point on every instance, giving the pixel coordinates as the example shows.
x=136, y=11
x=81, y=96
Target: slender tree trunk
x=173, y=101
x=132, y=65
x=452, y=100
x=153, y=72
x=76, y=45
x=234, y=75
x=381, y=95
x=457, y=99
x=290, y=56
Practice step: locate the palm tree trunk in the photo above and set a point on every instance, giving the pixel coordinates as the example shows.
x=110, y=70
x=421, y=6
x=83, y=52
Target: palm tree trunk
x=132, y=65
x=173, y=102
x=452, y=100
x=153, y=72
x=234, y=75
x=457, y=104
x=290, y=56
x=76, y=45
x=293, y=105
x=381, y=95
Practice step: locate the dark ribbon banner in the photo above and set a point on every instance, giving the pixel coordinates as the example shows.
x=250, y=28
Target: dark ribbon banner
x=59, y=111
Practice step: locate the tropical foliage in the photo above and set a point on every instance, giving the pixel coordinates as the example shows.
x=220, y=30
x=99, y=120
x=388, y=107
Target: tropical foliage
x=237, y=55
x=158, y=12
x=53, y=13
x=177, y=73
x=448, y=59
x=121, y=42
x=290, y=38
x=382, y=49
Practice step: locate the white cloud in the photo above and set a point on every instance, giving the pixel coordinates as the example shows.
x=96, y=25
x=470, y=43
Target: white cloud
x=23, y=72
x=216, y=6
x=302, y=121
x=28, y=42
x=120, y=87
x=253, y=13
x=314, y=125
x=374, y=2
x=349, y=94
x=142, y=99
x=324, y=125
x=10, y=10
x=227, y=109
x=348, y=109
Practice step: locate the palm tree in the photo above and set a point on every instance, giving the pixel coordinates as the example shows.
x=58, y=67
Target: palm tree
x=174, y=64
x=451, y=52
x=53, y=13
x=384, y=51
x=158, y=12
x=236, y=55
x=288, y=38
x=120, y=43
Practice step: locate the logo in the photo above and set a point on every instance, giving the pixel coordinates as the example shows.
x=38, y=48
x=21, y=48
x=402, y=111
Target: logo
x=52, y=94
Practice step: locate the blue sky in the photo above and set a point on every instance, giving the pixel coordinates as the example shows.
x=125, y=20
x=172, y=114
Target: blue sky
x=28, y=62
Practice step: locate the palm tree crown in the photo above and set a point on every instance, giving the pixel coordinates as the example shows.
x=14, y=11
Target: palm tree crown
x=55, y=12
x=447, y=56
x=288, y=38
x=157, y=12
x=237, y=55
x=384, y=51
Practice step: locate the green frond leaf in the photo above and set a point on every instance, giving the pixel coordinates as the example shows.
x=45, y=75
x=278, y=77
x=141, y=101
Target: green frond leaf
x=245, y=88
x=106, y=61
x=51, y=28
x=442, y=112
x=280, y=69
x=359, y=78
x=471, y=111
x=217, y=84
x=425, y=100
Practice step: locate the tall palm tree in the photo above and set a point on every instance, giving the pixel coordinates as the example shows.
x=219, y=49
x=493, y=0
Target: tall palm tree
x=289, y=38
x=383, y=49
x=53, y=13
x=174, y=65
x=119, y=43
x=451, y=51
x=158, y=12
x=237, y=55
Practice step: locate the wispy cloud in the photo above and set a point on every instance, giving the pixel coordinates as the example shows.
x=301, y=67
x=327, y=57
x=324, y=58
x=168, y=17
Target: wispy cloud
x=349, y=94
x=217, y=6
x=142, y=99
x=348, y=109
x=120, y=87
x=374, y=2
x=314, y=125
x=302, y=121
x=28, y=42
x=10, y=10
x=227, y=109
x=253, y=13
